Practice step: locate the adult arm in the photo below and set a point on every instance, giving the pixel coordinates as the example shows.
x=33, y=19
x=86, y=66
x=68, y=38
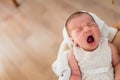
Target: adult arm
x=117, y=25
x=115, y=61
x=75, y=71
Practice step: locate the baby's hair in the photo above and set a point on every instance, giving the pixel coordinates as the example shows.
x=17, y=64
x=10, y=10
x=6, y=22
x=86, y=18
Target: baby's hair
x=75, y=14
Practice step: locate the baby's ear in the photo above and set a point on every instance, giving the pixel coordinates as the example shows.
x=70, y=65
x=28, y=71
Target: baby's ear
x=73, y=41
x=116, y=41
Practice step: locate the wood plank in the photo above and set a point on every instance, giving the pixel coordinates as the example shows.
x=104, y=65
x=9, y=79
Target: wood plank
x=30, y=35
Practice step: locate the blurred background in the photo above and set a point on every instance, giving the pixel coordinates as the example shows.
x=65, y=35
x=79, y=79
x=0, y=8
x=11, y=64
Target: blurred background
x=31, y=33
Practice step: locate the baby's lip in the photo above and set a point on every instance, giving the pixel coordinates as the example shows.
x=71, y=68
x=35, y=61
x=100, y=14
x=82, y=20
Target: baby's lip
x=90, y=39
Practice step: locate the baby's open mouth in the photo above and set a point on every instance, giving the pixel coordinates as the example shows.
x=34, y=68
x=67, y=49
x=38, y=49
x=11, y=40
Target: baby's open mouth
x=90, y=39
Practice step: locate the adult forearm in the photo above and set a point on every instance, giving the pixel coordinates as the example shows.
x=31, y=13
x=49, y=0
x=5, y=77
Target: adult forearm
x=75, y=75
x=117, y=25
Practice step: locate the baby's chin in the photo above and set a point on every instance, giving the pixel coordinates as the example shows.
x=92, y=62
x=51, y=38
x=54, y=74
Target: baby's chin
x=90, y=47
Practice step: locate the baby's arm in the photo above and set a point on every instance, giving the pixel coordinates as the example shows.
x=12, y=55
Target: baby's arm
x=115, y=61
x=75, y=71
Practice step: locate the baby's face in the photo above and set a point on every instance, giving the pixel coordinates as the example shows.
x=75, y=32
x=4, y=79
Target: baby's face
x=84, y=32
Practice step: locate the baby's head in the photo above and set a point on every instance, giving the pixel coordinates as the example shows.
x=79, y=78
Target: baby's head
x=83, y=30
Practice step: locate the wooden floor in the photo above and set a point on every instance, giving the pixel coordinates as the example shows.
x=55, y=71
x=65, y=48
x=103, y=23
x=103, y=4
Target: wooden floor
x=31, y=34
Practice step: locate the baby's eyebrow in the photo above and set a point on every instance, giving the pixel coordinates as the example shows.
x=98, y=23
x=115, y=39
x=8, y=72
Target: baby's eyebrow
x=80, y=27
x=90, y=22
x=75, y=28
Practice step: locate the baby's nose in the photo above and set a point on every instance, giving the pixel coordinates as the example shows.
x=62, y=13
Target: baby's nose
x=86, y=29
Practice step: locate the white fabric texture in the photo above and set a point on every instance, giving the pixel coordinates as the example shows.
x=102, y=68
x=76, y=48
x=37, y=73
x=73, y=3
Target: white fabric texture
x=95, y=65
x=60, y=66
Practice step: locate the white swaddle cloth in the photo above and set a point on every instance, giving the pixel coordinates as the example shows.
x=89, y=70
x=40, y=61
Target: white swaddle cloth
x=60, y=66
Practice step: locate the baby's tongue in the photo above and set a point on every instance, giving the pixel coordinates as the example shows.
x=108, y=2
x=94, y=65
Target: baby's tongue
x=90, y=39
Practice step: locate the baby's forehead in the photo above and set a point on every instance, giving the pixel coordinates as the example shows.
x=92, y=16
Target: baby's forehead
x=81, y=19
x=75, y=16
x=86, y=17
